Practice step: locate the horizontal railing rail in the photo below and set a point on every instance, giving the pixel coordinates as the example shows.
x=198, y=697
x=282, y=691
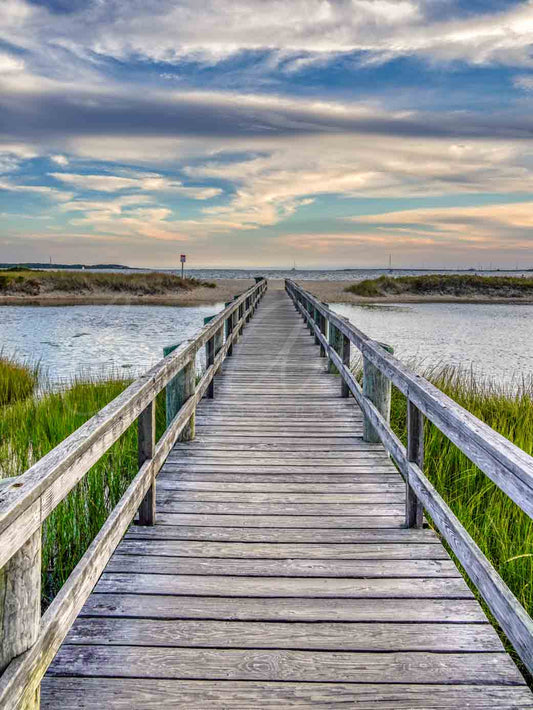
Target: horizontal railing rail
x=508, y=466
x=30, y=641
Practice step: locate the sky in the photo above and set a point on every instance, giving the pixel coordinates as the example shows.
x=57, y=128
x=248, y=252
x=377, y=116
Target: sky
x=330, y=133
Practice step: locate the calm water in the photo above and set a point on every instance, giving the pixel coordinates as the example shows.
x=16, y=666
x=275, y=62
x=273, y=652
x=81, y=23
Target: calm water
x=496, y=340
x=333, y=274
x=93, y=340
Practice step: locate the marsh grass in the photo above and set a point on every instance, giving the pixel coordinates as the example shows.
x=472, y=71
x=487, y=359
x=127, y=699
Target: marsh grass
x=29, y=429
x=499, y=527
x=17, y=381
x=455, y=285
x=35, y=282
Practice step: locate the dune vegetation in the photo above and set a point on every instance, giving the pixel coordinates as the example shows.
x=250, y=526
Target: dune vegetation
x=18, y=281
x=451, y=285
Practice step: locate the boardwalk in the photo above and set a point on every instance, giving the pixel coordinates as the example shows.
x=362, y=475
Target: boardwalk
x=278, y=574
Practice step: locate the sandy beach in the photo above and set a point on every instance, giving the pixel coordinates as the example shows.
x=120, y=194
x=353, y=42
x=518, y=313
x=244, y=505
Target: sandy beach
x=225, y=290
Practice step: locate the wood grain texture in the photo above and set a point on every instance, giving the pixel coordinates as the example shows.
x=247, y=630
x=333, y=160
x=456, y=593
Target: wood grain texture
x=154, y=694
x=285, y=665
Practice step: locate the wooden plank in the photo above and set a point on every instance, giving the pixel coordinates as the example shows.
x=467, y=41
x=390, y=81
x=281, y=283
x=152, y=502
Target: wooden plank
x=315, y=666
x=231, y=586
x=285, y=535
x=154, y=694
x=282, y=521
x=272, y=509
x=288, y=551
x=160, y=606
x=167, y=497
x=369, y=569
x=346, y=636
x=167, y=482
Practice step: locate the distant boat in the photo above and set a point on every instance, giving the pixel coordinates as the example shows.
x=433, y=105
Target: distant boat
x=294, y=267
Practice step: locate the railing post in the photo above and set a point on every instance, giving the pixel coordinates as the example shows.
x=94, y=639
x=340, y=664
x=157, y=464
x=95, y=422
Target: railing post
x=377, y=387
x=414, y=513
x=145, y=451
x=335, y=340
x=322, y=323
x=178, y=391
x=228, y=327
x=212, y=348
x=20, y=607
x=345, y=356
x=316, y=318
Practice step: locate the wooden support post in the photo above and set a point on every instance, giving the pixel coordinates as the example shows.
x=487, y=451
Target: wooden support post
x=212, y=347
x=414, y=513
x=145, y=449
x=323, y=329
x=345, y=355
x=377, y=387
x=228, y=327
x=20, y=607
x=236, y=319
x=316, y=318
x=178, y=391
x=335, y=340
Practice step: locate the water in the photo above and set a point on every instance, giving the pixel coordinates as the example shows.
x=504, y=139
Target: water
x=93, y=340
x=322, y=274
x=496, y=340
x=335, y=274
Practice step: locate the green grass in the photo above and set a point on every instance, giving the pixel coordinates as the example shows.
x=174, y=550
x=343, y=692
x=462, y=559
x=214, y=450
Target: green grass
x=500, y=528
x=21, y=282
x=456, y=285
x=31, y=428
x=17, y=381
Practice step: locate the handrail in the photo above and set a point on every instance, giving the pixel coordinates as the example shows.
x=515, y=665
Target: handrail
x=26, y=501
x=510, y=468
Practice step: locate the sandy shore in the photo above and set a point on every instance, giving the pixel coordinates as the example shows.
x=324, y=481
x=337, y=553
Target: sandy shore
x=333, y=292
x=225, y=290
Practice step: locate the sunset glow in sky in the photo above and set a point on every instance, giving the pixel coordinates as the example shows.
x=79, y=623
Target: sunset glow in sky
x=258, y=132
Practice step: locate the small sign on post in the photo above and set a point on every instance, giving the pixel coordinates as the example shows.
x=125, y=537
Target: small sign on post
x=183, y=259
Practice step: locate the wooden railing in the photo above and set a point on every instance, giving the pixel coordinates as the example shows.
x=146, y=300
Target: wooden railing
x=510, y=468
x=30, y=641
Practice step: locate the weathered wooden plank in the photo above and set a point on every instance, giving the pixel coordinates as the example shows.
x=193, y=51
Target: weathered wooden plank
x=289, y=551
x=154, y=694
x=167, y=497
x=160, y=606
x=315, y=666
x=332, y=636
x=231, y=586
x=369, y=569
x=282, y=521
x=278, y=488
x=303, y=510
x=286, y=535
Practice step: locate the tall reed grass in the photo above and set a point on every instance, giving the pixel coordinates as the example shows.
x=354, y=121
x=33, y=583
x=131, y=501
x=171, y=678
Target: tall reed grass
x=29, y=429
x=17, y=381
x=499, y=527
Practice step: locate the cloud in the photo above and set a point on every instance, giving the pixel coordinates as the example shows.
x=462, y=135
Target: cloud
x=59, y=160
x=484, y=228
x=150, y=182
x=209, y=31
